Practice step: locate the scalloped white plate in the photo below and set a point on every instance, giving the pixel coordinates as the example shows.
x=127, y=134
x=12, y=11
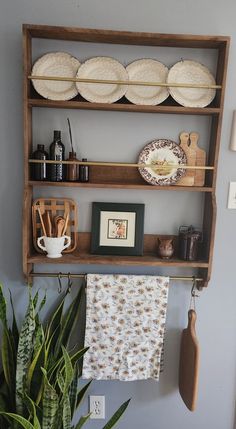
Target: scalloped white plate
x=147, y=70
x=191, y=72
x=105, y=68
x=60, y=64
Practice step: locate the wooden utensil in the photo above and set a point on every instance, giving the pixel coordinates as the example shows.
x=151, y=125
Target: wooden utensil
x=189, y=363
x=47, y=223
x=66, y=223
x=199, y=178
x=42, y=222
x=60, y=227
x=188, y=178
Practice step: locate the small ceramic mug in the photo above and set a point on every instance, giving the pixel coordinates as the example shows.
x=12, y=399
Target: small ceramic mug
x=54, y=245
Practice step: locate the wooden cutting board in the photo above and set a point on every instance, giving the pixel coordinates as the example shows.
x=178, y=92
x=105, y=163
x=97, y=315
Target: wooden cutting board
x=188, y=178
x=189, y=363
x=199, y=178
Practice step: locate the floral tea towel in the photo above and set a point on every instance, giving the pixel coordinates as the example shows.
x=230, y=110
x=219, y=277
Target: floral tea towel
x=125, y=324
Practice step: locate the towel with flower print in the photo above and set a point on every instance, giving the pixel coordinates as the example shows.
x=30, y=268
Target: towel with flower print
x=125, y=324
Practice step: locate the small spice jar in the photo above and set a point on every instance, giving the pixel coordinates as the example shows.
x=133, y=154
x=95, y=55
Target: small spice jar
x=84, y=172
x=189, y=239
x=72, y=170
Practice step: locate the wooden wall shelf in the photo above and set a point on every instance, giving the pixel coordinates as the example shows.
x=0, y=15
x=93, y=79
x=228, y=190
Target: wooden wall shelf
x=118, y=177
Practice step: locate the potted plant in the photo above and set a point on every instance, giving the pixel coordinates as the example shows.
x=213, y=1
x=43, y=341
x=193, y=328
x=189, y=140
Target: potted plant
x=40, y=372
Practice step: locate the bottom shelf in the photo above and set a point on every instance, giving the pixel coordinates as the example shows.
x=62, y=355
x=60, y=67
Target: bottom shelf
x=83, y=256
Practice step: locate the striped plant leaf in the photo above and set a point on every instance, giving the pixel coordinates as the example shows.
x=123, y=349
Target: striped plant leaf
x=14, y=329
x=50, y=403
x=60, y=381
x=32, y=410
x=8, y=364
x=82, y=421
x=19, y=419
x=35, y=299
x=66, y=416
x=67, y=323
x=74, y=358
x=73, y=390
x=24, y=353
x=43, y=302
x=81, y=393
x=34, y=375
x=56, y=319
x=68, y=369
x=3, y=308
x=116, y=416
x=38, y=337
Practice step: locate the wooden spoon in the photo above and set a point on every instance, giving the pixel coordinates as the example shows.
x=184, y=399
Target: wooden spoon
x=60, y=227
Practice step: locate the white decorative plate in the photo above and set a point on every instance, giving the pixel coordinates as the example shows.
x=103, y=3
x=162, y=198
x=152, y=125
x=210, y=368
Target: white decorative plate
x=58, y=64
x=161, y=153
x=191, y=72
x=104, y=68
x=147, y=70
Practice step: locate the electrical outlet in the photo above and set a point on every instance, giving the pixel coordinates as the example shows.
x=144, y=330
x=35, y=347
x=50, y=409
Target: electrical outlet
x=97, y=407
x=232, y=196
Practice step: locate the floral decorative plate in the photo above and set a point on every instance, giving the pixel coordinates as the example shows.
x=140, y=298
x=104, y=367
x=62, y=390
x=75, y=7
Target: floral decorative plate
x=104, y=68
x=162, y=154
x=60, y=64
x=147, y=70
x=191, y=72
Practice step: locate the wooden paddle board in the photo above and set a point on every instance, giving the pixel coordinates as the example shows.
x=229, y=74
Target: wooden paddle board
x=199, y=178
x=188, y=178
x=189, y=363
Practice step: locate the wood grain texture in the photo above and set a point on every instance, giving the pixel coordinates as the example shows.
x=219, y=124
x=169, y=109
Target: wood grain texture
x=189, y=363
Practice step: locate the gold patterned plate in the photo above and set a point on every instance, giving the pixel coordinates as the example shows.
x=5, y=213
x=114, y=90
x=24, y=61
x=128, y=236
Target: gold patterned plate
x=164, y=155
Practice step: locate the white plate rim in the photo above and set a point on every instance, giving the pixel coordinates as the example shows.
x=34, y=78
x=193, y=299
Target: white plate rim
x=158, y=99
x=39, y=84
x=83, y=88
x=175, y=92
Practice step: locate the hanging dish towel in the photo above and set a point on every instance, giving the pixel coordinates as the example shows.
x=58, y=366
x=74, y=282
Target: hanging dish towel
x=125, y=323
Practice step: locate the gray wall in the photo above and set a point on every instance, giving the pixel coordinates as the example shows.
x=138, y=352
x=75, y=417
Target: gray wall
x=121, y=135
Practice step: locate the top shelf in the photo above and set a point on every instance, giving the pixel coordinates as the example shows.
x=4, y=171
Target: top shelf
x=125, y=37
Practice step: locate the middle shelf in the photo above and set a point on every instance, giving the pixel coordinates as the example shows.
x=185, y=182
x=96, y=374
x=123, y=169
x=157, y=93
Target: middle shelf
x=82, y=255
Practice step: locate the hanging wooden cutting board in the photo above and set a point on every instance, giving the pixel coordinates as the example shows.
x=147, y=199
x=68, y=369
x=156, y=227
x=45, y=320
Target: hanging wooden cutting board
x=199, y=178
x=189, y=363
x=188, y=178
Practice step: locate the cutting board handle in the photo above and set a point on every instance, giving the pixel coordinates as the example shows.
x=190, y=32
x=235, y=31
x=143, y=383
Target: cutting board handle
x=194, y=137
x=192, y=317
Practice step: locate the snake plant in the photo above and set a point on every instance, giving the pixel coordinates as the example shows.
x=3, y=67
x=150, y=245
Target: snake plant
x=39, y=380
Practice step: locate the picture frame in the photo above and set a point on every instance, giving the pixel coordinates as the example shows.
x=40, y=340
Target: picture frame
x=117, y=229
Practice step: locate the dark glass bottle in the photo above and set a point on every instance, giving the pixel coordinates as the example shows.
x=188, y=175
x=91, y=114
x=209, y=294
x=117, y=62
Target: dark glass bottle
x=57, y=153
x=84, y=172
x=39, y=171
x=72, y=170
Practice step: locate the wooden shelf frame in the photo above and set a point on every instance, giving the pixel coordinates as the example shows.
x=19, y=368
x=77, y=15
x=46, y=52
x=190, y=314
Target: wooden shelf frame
x=215, y=111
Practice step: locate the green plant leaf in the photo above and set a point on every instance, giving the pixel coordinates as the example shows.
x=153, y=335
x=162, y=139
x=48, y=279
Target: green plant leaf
x=21, y=420
x=55, y=321
x=117, y=415
x=82, y=421
x=66, y=416
x=50, y=403
x=15, y=331
x=68, y=322
x=34, y=375
x=8, y=364
x=73, y=390
x=68, y=369
x=81, y=393
x=3, y=308
x=32, y=410
x=24, y=353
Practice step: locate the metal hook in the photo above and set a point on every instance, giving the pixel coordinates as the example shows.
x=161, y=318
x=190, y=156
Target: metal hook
x=69, y=284
x=60, y=285
x=193, y=294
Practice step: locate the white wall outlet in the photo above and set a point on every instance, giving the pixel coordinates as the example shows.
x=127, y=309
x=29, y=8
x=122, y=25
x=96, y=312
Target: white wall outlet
x=97, y=407
x=232, y=196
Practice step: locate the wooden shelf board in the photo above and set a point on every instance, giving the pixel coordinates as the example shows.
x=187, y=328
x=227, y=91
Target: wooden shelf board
x=86, y=258
x=123, y=107
x=122, y=185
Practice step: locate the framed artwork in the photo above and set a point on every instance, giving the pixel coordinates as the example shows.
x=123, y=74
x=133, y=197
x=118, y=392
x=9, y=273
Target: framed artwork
x=117, y=229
